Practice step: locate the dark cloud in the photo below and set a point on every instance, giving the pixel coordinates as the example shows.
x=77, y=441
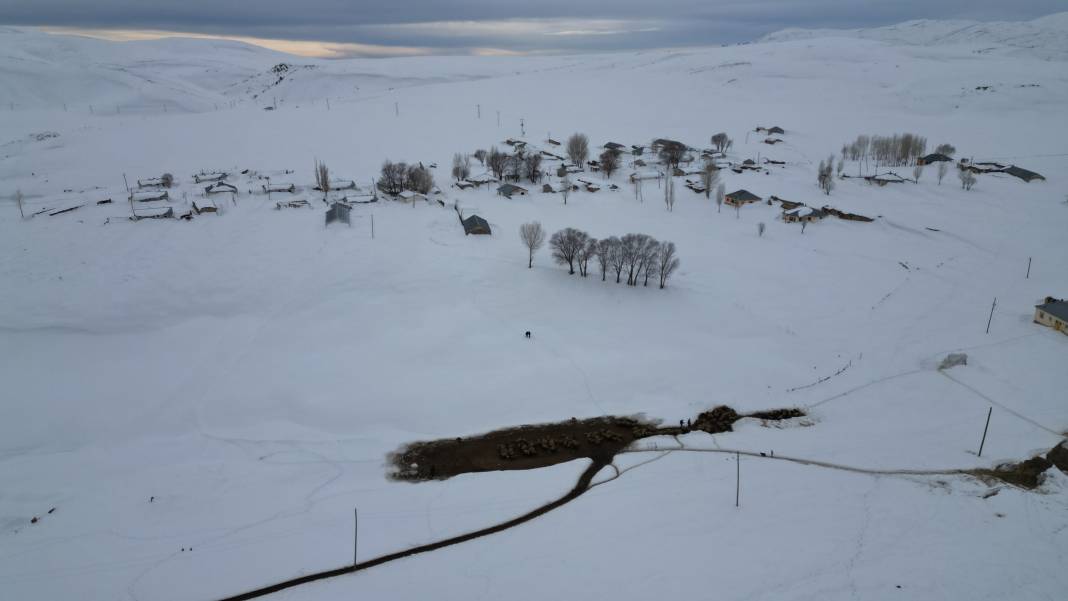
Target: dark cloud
x=520, y=25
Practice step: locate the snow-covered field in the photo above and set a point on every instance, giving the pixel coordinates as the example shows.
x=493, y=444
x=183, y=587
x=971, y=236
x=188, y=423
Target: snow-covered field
x=250, y=371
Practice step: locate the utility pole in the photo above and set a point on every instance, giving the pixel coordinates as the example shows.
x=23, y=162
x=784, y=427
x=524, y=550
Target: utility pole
x=522, y=127
x=1028, y=269
x=372, y=226
x=991, y=315
x=985, y=428
x=355, y=532
x=737, y=478
x=478, y=107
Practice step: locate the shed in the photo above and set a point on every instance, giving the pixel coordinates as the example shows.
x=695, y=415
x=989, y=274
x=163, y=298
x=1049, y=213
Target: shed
x=932, y=158
x=409, y=196
x=1053, y=313
x=775, y=129
x=803, y=214
x=280, y=188
x=219, y=187
x=1023, y=174
x=614, y=146
x=508, y=190
x=475, y=225
x=209, y=176
x=741, y=197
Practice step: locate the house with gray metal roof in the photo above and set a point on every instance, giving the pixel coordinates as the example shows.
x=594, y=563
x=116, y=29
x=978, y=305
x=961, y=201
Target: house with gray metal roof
x=508, y=190
x=1053, y=313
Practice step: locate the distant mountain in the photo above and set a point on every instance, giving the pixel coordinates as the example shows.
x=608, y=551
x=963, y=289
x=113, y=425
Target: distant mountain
x=1046, y=37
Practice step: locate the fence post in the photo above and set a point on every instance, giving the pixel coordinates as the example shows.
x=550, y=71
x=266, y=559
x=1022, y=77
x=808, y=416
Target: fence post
x=987, y=426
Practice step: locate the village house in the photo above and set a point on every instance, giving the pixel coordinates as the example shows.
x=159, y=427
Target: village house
x=1053, y=313
x=614, y=146
x=509, y=190
x=220, y=187
x=741, y=197
x=933, y=158
x=803, y=215
x=475, y=225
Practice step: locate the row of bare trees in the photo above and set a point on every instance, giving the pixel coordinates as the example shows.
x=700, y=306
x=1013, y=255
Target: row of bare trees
x=638, y=256
x=893, y=151
x=398, y=177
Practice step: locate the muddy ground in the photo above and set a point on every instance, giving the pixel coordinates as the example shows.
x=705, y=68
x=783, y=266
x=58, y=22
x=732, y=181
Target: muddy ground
x=542, y=445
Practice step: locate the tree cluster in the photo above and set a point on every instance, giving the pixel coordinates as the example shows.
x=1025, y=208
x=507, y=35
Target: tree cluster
x=639, y=257
x=895, y=150
x=461, y=166
x=721, y=142
x=578, y=149
x=398, y=177
x=825, y=176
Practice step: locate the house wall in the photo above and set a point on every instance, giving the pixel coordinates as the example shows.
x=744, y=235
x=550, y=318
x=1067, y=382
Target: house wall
x=1043, y=318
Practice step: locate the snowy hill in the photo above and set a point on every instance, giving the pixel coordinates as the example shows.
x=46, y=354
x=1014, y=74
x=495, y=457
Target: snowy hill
x=1044, y=37
x=194, y=408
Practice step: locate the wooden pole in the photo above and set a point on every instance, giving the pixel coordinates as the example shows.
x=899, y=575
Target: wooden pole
x=355, y=532
x=1028, y=269
x=737, y=478
x=372, y=226
x=985, y=428
x=991, y=318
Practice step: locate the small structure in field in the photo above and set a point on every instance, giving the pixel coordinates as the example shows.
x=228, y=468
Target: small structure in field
x=787, y=205
x=774, y=129
x=338, y=211
x=339, y=184
x=163, y=181
x=886, y=178
x=210, y=176
x=772, y=141
x=741, y=197
x=289, y=188
x=205, y=205
x=591, y=187
x=510, y=190
x=149, y=196
x=474, y=225
x=1053, y=313
x=156, y=211
x=615, y=146
x=299, y=203
x=410, y=196
x=1023, y=174
x=934, y=157
x=552, y=142
x=803, y=215
x=220, y=187
x=846, y=216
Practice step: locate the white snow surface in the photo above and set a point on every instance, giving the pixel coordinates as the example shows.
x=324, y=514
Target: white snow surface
x=252, y=369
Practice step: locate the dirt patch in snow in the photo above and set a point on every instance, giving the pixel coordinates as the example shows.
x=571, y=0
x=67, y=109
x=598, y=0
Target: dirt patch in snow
x=542, y=445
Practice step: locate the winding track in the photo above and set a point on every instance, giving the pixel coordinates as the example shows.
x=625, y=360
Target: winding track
x=580, y=487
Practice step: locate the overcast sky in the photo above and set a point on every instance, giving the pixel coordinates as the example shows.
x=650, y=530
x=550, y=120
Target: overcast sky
x=399, y=27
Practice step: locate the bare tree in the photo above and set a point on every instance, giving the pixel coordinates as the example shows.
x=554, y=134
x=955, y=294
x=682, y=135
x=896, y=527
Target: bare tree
x=322, y=178
x=18, y=201
x=760, y=229
x=824, y=175
x=481, y=154
x=709, y=177
x=533, y=236
x=420, y=179
x=638, y=252
x=669, y=190
x=605, y=250
x=841, y=167
x=391, y=181
x=721, y=191
x=532, y=167
x=943, y=167
x=617, y=260
x=565, y=187
x=946, y=149
x=566, y=244
x=587, y=252
x=666, y=261
x=648, y=264
x=578, y=149
x=917, y=171
x=461, y=166
x=967, y=179
x=609, y=162
x=671, y=152
x=497, y=162
x=721, y=142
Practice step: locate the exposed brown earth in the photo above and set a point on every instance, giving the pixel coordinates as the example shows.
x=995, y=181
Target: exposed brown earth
x=542, y=445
